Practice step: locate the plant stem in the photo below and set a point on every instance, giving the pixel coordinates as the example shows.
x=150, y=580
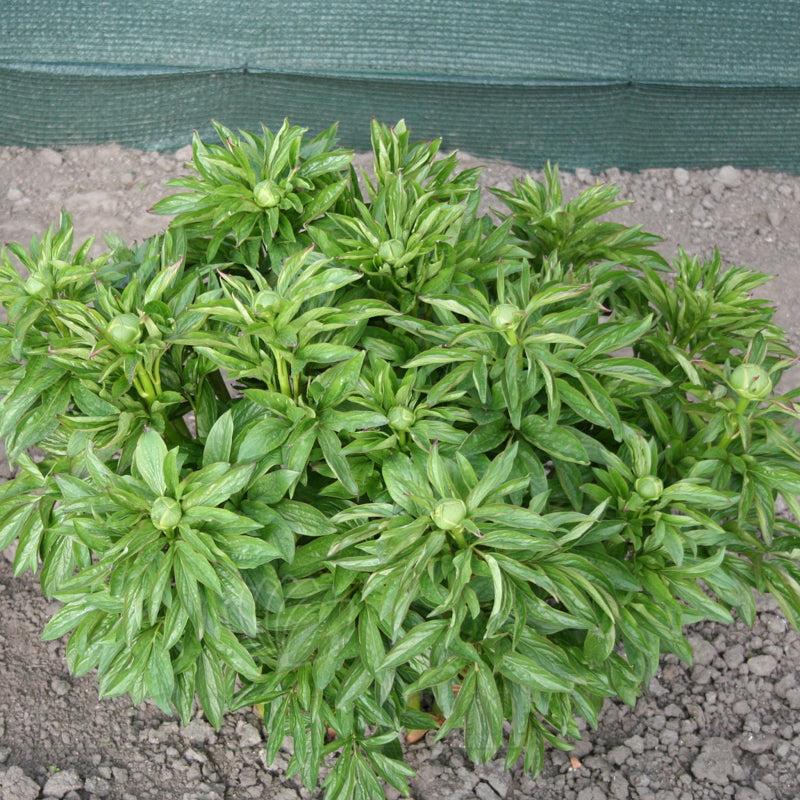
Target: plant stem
x=146, y=381
x=741, y=407
x=283, y=376
x=458, y=535
x=144, y=385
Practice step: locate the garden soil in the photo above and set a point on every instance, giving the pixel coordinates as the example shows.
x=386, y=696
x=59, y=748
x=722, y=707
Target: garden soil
x=726, y=727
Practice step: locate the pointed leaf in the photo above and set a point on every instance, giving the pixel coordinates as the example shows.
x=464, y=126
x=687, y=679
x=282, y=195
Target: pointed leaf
x=219, y=440
x=417, y=640
x=149, y=460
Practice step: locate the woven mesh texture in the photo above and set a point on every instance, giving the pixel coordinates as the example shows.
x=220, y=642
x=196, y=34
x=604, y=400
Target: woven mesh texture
x=633, y=83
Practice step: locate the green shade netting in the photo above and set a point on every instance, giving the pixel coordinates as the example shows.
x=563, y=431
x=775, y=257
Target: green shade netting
x=633, y=84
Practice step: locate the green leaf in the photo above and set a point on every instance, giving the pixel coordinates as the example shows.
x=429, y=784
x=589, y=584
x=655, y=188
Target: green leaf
x=614, y=337
x=297, y=448
x=495, y=476
x=370, y=640
x=340, y=381
x=196, y=564
x=28, y=547
x=392, y=770
x=246, y=551
x=461, y=706
x=219, y=440
x=634, y=370
x=211, y=687
x=332, y=644
x=14, y=522
x=446, y=672
x=420, y=638
x=65, y=619
x=219, y=490
x=231, y=651
x=219, y=521
x=159, y=676
x=161, y=282
x=303, y=519
x=261, y=439
x=237, y=602
x=297, y=648
x=322, y=201
x=149, y=459
x=59, y=563
x=483, y=732
x=406, y=483
x=39, y=376
x=189, y=593
x=599, y=642
x=557, y=440
x=324, y=353
x=356, y=681
x=337, y=461
x=689, y=491
x=527, y=672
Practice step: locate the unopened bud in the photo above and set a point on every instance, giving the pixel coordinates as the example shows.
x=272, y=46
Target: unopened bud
x=266, y=194
x=391, y=251
x=751, y=381
x=649, y=487
x=401, y=418
x=449, y=514
x=506, y=316
x=124, y=330
x=166, y=513
x=36, y=287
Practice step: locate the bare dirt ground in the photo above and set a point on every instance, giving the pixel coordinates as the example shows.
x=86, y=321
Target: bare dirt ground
x=725, y=728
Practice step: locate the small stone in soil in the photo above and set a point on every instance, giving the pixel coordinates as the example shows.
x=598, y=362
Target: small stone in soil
x=619, y=755
x=681, y=176
x=775, y=217
x=16, y=785
x=198, y=732
x=60, y=783
x=60, y=686
x=51, y=157
x=729, y=176
x=762, y=665
x=704, y=652
x=248, y=735
x=96, y=785
x=715, y=762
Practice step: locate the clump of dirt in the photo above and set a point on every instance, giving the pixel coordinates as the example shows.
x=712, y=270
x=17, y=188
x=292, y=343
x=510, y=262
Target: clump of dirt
x=725, y=728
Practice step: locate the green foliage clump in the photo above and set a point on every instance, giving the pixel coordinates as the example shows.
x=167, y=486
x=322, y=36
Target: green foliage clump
x=346, y=449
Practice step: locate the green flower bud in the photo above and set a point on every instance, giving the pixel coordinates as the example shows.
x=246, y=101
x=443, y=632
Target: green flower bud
x=649, y=487
x=449, y=514
x=401, y=418
x=391, y=251
x=267, y=299
x=124, y=330
x=506, y=316
x=267, y=194
x=166, y=513
x=751, y=381
x=36, y=287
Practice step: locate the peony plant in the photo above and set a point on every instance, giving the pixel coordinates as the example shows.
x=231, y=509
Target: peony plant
x=344, y=448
